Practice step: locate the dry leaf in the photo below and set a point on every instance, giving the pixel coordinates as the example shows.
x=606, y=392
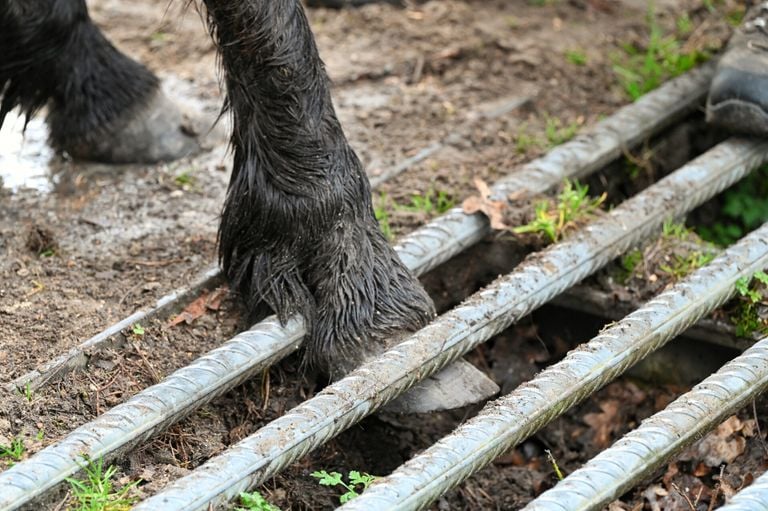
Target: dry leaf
x=723, y=445
x=490, y=208
x=672, y=471
x=702, y=470
x=604, y=423
x=214, y=302
x=205, y=302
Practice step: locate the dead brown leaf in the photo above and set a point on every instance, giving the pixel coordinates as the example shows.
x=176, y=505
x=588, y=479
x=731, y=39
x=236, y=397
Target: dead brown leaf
x=205, y=302
x=672, y=471
x=492, y=209
x=723, y=445
x=604, y=423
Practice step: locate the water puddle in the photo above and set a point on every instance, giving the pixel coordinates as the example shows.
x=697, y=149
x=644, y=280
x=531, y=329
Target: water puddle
x=25, y=154
x=28, y=162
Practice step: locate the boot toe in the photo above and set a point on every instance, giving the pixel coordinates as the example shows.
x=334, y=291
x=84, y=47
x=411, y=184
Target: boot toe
x=738, y=101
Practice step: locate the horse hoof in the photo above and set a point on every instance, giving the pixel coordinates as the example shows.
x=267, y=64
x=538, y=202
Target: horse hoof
x=157, y=132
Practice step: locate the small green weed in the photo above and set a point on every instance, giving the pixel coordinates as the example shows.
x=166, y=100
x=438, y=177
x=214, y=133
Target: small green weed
x=640, y=70
x=629, y=262
x=735, y=17
x=430, y=203
x=677, y=230
x=632, y=170
x=158, y=36
x=382, y=216
x=684, y=24
x=137, y=330
x=97, y=493
x=557, y=132
x=185, y=178
x=14, y=452
x=525, y=141
x=576, y=57
x=710, y=5
x=751, y=293
x=357, y=481
x=674, y=254
x=682, y=265
x=27, y=392
x=744, y=209
x=555, y=466
x=255, y=502
x=553, y=219
x=678, y=265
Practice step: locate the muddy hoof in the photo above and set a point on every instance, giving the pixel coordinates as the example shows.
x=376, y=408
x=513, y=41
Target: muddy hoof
x=157, y=132
x=458, y=385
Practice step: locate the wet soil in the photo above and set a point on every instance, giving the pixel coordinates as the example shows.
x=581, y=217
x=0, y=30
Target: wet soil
x=86, y=245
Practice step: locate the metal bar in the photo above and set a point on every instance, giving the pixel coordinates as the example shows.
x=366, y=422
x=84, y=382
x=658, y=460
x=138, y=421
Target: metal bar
x=153, y=409
x=752, y=498
x=424, y=249
x=78, y=356
x=633, y=458
x=598, y=302
x=534, y=282
x=453, y=232
x=509, y=420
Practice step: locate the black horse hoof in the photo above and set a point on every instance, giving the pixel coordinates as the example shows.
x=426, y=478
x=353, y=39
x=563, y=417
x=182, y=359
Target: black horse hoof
x=157, y=131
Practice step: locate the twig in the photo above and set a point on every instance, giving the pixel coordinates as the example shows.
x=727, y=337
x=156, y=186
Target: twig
x=553, y=462
x=716, y=494
x=63, y=502
x=152, y=372
x=757, y=426
x=685, y=496
x=265, y=388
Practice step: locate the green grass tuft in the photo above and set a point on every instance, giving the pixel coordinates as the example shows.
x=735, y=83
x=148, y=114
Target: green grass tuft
x=553, y=219
x=97, y=492
x=14, y=452
x=642, y=69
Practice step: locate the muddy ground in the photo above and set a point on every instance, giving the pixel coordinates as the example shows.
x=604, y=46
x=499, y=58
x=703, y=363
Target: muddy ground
x=85, y=245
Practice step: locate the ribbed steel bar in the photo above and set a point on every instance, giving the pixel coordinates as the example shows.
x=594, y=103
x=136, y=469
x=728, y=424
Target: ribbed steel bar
x=153, y=409
x=77, y=356
x=534, y=282
x=424, y=249
x=453, y=232
x=509, y=420
x=633, y=458
x=753, y=498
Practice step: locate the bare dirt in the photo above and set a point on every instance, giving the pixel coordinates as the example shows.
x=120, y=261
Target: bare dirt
x=87, y=245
